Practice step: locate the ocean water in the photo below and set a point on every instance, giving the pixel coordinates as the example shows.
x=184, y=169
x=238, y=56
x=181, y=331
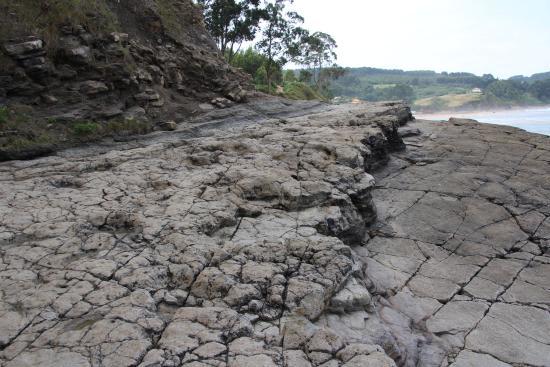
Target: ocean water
x=535, y=120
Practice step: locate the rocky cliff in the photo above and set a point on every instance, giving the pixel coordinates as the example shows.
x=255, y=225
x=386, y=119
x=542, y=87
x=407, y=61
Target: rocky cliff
x=70, y=62
x=279, y=234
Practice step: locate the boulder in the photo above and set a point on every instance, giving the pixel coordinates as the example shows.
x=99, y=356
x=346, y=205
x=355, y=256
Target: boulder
x=80, y=54
x=25, y=48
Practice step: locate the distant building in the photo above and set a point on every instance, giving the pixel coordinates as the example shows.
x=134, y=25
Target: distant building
x=477, y=90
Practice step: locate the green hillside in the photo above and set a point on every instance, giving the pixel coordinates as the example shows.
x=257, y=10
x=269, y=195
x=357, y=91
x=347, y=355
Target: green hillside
x=431, y=91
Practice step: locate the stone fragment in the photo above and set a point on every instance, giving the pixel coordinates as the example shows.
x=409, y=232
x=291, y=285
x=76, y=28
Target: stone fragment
x=168, y=125
x=25, y=48
x=352, y=297
x=93, y=87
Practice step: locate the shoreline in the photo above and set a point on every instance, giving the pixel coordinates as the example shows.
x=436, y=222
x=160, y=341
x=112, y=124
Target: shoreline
x=481, y=111
x=535, y=119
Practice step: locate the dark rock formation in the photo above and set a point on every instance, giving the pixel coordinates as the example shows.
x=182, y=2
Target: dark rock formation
x=158, y=56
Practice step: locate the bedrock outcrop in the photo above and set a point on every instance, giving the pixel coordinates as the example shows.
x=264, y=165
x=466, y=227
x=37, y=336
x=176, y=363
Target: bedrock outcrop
x=104, y=60
x=281, y=234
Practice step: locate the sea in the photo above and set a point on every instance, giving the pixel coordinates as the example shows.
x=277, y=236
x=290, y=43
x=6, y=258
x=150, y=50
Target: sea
x=535, y=120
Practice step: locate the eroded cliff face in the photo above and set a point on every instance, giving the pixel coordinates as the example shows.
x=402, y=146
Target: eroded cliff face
x=105, y=59
x=281, y=234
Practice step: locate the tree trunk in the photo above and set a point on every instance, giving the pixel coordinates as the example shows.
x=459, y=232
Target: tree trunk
x=269, y=64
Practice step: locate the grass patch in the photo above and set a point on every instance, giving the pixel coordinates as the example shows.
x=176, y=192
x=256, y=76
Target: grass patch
x=293, y=90
x=298, y=90
x=127, y=127
x=449, y=101
x=3, y=115
x=21, y=143
x=26, y=17
x=176, y=17
x=383, y=86
x=22, y=136
x=85, y=128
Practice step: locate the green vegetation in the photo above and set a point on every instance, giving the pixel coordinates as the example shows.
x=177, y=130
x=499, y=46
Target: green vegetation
x=176, y=16
x=299, y=90
x=540, y=89
x=431, y=91
x=22, y=136
x=289, y=84
x=279, y=39
x=231, y=22
x=3, y=115
x=448, y=102
x=126, y=127
x=19, y=17
x=85, y=128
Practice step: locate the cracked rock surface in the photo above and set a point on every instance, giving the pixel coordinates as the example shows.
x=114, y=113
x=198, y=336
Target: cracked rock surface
x=458, y=263
x=297, y=235
x=221, y=250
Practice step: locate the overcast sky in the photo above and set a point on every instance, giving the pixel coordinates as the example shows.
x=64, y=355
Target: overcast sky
x=502, y=37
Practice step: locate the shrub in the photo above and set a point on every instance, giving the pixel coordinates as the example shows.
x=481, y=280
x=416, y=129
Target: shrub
x=45, y=17
x=4, y=115
x=128, y=127
x=298, y=90
x=290, y=76
x=85, y=128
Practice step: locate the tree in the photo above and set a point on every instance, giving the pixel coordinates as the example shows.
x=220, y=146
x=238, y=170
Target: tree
x=541, y=90
x=278, y=34
x=399, y=91
x=254, y=63
x=305, y=76
x=486, y=79
x=249, y=60
x=290, y=76
x=260, y=76
x=316, y=51
x=231, y=22
x=506, y=90
x=326, y=76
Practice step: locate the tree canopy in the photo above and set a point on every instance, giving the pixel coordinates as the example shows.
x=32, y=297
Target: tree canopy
x=231, y=22
x=278, y=36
